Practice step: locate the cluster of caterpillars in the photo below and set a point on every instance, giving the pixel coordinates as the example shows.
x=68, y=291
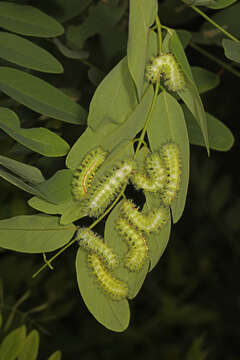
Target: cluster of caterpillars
x=162, y=172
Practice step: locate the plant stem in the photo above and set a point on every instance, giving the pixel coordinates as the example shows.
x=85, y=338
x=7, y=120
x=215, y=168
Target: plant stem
x=141, y=139
x=220, y=28
x=216, y=60
x=159, y=30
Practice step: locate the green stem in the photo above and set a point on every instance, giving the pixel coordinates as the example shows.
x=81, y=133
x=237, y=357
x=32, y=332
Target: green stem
x=216, y=60
x=159, y=30
x=53, y=258
x=141, y=139
x=214, y=24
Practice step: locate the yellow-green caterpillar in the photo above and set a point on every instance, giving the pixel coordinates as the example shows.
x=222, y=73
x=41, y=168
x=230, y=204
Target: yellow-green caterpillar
x=83, y=175
x=154, y=177
x=106, y=189
x=94, y=244
x=171, y=155
x=137, y=247
x=114, y=288
x=166, y=66
x=151, y=221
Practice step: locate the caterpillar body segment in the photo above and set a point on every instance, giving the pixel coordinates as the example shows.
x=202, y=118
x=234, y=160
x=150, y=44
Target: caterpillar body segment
x=137, y=247
x=114, y=288
x=93, y=243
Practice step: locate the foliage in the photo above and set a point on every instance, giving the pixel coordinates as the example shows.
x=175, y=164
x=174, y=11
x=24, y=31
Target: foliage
x=105, y=49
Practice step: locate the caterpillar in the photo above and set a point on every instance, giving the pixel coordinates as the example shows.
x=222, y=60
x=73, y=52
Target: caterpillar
x=153, y=220
x=171, y=156
x=137, y=247
x=155, y=178
x=113, y=287
x=166, y=65
x=94, y=244
x=105, y=190
x=83, y=175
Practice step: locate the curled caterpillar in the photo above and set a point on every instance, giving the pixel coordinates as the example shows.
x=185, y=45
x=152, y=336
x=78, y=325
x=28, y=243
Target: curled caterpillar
x=83, y=175
x=166, y=65
x=171, y=156
x=155, y=177
x=94, y=244
x=153, y=220
x=113, y=287
x=137, y=247
x=105, y=190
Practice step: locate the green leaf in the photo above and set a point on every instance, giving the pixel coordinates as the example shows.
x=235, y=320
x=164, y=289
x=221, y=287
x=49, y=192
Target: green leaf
x=102, y=17
x=95, y=75
x=227, y=18
x=189, y=94
x=141, y=16
x=204, y=79
x=40, y=140
x=27, y=20
x=231, y=50
x=31, y=346
x=220, y=137
x=116, y=242
x=19, y=182
x=26, y=176
x=40, y=96
x=27, y=172
x=185, y=37
x=72, y=211
x=168, y=124
x=25, y=53
x=1, y=320
x=34, y=233
x=191, y=98
x=56, y=356
x=57, y=189
x=220, y=4
x=117, y=86
x=133, y=124
x=109, y=135
x=48, y=207
x=66, y=10
x=12, y=344
x=114, y=315
x=71, y=54
x=176, y=47
x=199, y=2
